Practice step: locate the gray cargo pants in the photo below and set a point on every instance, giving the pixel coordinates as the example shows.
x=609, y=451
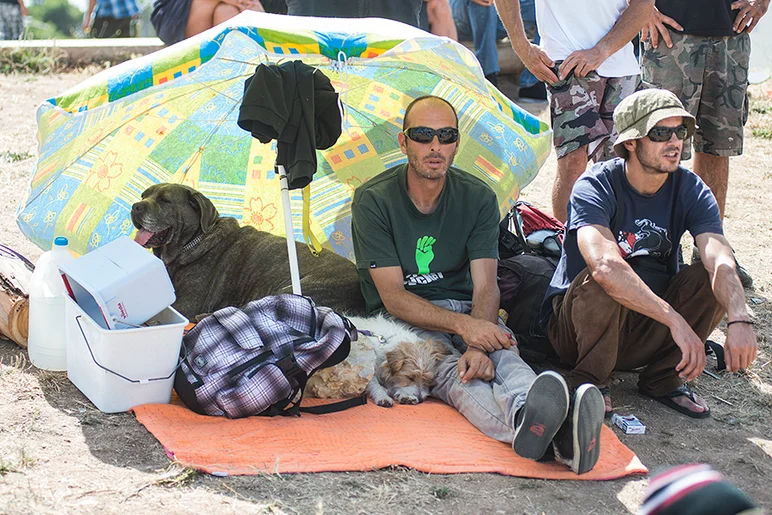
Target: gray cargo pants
x=489, y=406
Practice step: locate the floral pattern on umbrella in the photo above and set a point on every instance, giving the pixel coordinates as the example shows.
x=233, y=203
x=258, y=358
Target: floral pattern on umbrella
x=171, y=117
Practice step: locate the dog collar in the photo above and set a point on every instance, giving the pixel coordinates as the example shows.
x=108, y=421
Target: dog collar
x=192, y=243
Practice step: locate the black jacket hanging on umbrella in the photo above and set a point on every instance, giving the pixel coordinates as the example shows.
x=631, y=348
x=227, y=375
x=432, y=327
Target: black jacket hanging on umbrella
x=296, y=105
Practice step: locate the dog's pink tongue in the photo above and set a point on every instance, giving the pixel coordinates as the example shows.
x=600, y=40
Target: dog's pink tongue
x=143, y=235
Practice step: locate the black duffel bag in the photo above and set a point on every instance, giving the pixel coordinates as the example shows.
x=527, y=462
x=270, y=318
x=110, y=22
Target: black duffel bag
x=523, y=282
x=524, y=274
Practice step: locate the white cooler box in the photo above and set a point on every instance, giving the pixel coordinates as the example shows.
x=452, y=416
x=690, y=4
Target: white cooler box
x=120, y=284
x=118, y=370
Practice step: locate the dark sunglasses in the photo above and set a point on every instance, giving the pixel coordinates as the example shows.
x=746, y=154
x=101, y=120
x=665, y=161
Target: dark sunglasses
x=445, y=136
x=662, y=134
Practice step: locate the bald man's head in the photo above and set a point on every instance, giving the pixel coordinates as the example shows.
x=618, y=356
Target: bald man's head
x=441, y=102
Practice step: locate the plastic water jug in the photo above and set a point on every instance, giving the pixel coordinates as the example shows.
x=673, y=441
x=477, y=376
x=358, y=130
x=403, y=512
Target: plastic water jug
x=47, y=343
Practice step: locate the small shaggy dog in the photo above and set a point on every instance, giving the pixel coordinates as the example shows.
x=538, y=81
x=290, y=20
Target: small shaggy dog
x=388, y=360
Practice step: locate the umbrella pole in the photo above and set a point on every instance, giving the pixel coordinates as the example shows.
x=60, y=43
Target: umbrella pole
x=289, y=230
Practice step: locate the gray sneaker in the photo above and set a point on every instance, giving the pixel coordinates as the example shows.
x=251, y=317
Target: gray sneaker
x=577, y=445
x=540, y=418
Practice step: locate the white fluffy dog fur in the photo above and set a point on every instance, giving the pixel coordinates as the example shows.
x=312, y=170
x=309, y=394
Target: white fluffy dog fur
x=394, y=364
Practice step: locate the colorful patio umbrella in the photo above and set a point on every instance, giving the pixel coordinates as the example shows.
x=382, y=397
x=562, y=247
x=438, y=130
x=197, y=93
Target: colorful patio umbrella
x=171, y=117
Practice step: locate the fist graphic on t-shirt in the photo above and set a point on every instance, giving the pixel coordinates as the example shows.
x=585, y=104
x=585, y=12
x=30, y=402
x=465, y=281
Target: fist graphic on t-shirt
x=424, y=254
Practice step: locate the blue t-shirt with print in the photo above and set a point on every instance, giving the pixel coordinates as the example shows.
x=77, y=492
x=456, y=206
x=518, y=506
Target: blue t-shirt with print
x=649, y=226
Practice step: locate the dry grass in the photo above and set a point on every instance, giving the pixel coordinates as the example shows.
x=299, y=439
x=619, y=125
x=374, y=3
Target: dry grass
x=16, y=364
x=760, y=113
x=31, y=60
x=176, y=476
x=19, y=460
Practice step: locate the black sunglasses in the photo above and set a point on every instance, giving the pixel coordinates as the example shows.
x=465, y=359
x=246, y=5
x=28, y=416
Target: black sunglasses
x=445, y=136
x=662, y=134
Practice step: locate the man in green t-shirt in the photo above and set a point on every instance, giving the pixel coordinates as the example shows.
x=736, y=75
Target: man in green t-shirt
x=426, y=244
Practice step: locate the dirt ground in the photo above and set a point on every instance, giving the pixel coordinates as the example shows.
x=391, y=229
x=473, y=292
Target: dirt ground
x=58, y=454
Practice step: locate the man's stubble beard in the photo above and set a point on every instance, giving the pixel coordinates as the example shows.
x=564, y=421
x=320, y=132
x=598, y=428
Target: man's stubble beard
x=431, y=175
x=652, y=165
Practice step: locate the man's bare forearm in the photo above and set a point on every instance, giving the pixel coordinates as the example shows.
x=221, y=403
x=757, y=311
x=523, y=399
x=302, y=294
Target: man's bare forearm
x=509, y=12
x=718, y=259
x=623, y=285
x=485, y=303
x=633, y=19
x=612, y=273
x=421, y=313
x=729, y=292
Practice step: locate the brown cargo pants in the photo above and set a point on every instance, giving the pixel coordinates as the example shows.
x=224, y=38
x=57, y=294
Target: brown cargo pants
x=596, y=335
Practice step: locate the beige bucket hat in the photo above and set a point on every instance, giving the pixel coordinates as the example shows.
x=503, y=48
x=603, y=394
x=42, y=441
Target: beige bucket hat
x=638, y=113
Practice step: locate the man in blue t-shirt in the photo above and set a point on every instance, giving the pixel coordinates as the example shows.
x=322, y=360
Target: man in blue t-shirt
x=617, y=300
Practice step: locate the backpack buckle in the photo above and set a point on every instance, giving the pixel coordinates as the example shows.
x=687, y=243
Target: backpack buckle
x=290, y=368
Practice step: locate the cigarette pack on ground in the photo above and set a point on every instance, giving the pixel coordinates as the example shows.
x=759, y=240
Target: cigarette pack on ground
x=629, y=424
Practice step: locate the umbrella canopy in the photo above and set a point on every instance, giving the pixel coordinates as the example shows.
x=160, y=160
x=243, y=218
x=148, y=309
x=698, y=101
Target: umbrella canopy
x=172, y=117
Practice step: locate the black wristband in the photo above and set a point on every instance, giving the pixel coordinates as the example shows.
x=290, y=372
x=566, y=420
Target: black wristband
x=749, y=322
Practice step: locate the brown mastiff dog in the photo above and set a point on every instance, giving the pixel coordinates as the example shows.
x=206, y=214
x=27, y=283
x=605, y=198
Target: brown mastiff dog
x=214, y=263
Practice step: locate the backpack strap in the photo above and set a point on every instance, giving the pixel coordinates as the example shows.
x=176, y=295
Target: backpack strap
x=287, y=363
x=517, y=220
x=333, y=407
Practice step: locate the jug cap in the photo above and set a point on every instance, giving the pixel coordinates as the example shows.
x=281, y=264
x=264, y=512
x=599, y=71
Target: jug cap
x=61, y=241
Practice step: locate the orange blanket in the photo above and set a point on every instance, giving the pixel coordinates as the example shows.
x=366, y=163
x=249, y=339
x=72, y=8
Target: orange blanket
x=431, y=437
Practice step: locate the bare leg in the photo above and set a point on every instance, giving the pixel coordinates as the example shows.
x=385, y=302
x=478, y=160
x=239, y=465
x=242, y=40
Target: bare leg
x=201, y=16
x=714, y=170
x=224, y=12
x=570, y=167
x=205, y=14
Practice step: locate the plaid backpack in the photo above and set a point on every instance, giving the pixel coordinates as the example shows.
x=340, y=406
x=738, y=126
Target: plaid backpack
x=257, y=360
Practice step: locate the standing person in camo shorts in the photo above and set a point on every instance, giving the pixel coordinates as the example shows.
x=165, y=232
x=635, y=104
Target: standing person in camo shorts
x=587, y=61
x=704, y=61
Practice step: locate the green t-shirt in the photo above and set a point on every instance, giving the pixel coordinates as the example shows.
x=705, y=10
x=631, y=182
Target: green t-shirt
x=433, y=250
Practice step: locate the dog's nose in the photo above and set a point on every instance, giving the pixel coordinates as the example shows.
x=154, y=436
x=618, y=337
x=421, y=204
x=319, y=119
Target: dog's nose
x=137, y=208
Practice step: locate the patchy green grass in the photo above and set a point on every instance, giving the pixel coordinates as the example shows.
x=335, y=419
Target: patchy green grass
x=765, y=133
x=442, y=492
x=761, y=105
x=14, y=157
x=6, y=468
x=760, y=113
x=23, y=460
x=176, y=476
x=30, y=60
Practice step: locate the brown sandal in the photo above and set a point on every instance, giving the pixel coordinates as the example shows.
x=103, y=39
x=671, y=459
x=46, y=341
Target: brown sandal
x=606, y=392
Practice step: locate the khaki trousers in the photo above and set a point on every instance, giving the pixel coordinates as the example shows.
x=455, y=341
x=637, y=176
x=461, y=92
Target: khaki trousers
x=596, y=335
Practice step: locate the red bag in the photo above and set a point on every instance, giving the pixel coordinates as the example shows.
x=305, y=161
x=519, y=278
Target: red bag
x=527, y=229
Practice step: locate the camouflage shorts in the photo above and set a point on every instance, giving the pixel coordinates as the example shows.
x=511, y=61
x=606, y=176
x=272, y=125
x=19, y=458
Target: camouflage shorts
x=582, y=112
x=710, y=76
